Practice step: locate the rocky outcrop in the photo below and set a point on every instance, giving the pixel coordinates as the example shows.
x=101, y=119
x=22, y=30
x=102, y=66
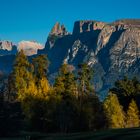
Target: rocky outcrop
x=29, y=47
x=104, y=36
x=126, y=50
x=113, y=50
x=59, y=30
x=87, y=26
x=128, y=23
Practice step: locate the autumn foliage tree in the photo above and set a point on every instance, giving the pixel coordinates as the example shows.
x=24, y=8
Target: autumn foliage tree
x=132, y=119
x=114, y=112
x=31, y=86
x=21, y=75
x=70, y=104
x=127, y=89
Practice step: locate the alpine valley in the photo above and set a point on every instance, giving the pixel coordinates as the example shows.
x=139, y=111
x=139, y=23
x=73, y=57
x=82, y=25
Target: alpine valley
x=112, y=49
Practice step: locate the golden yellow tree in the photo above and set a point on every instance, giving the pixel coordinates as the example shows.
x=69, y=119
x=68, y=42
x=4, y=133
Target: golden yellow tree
x=132, y=119
x=114, y=112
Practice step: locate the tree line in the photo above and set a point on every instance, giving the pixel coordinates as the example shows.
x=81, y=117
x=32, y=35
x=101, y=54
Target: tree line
x=70, y=104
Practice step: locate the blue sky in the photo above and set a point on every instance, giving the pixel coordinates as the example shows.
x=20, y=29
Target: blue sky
x=33, y=19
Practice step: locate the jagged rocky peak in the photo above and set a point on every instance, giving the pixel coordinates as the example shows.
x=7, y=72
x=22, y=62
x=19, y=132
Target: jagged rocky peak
x=87, y=25
x=29, y=47
x=59, y=30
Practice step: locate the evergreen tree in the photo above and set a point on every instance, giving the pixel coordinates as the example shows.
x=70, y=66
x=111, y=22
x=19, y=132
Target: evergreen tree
x=40, y=68
x=40, y=64
x=90, y=109
x=65, y=82
x=35, y=104
x=32, y=88
x=85, y=88
x=71, y=105
x=114, y=112
x=65, y=86
x=132, y=119
x=37, y=95
x=91, y=115
x=85, y=74
x=11, y=87
x=2, y=86
x=21, y=74
x=126, y=90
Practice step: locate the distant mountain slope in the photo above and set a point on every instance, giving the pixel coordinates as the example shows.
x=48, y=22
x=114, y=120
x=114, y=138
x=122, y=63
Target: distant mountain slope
x=29, y=47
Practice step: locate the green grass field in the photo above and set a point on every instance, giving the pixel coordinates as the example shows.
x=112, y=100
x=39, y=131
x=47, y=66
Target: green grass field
x=118, y=134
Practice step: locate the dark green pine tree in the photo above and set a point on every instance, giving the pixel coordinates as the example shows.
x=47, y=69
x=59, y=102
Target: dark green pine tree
x=66, y=81
x=90, y=108
x=65, y=86
x=85, y=87
x=85, y=75
x=40, y=64
x=127, y=89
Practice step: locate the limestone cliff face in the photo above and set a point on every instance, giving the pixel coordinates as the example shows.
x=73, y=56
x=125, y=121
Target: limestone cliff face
x=87, y=26
x=126, y=50
x=112, y=49
x=120, y=54
x=57, y=31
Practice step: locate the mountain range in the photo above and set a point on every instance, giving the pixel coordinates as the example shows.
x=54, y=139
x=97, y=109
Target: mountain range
x=8, y=50
x=112, y=49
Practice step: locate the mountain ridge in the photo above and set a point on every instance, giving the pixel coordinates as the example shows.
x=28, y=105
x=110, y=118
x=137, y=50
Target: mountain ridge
x=112, y=49
x=29, y=47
